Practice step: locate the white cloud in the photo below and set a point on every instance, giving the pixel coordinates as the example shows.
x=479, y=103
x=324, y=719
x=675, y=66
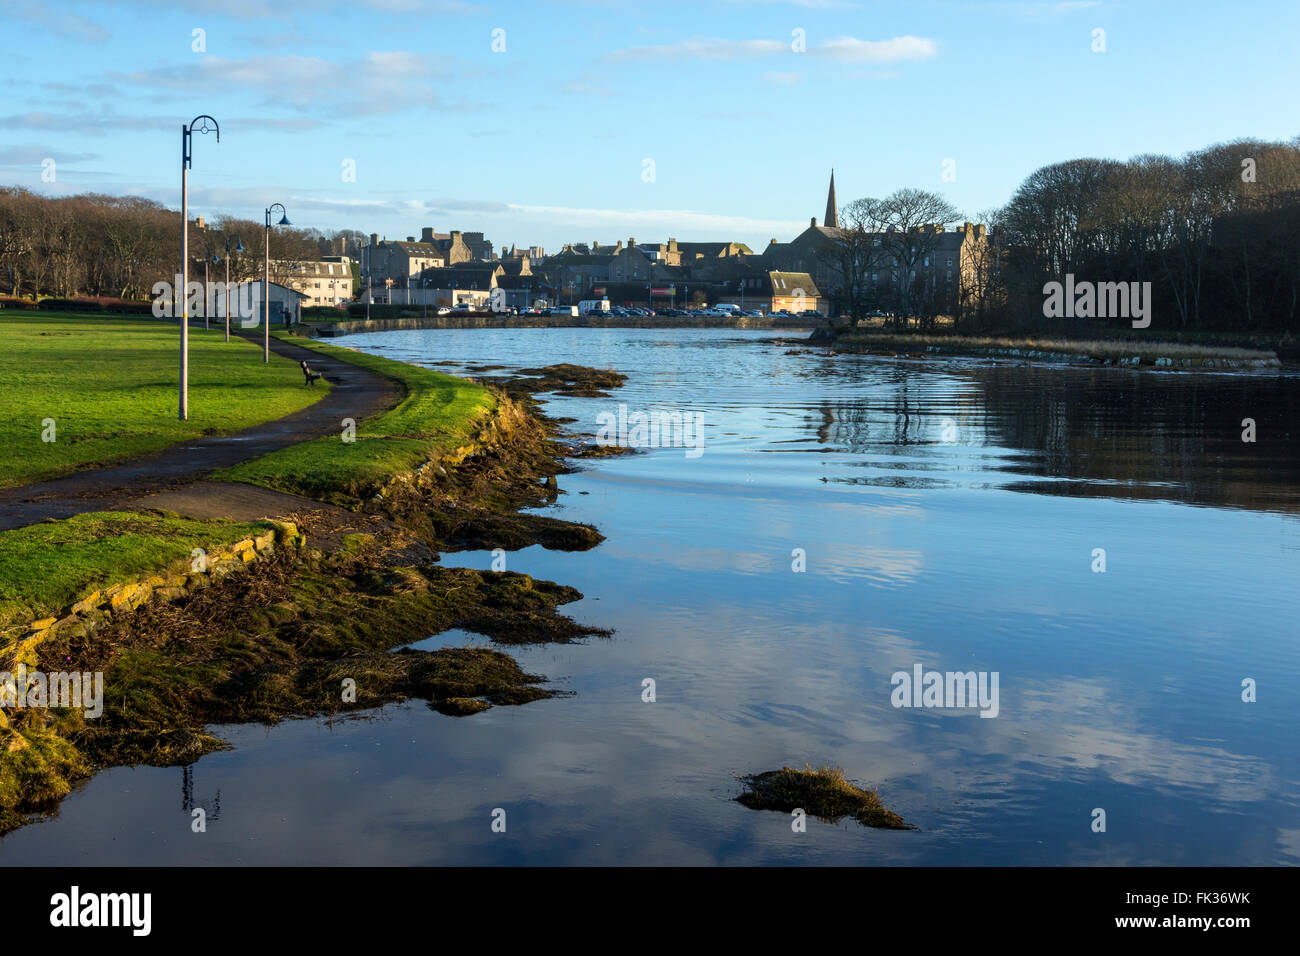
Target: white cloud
x=841, y=48
x=45, y=15
x=880, y=51
x=378, y=83
x=706, y=49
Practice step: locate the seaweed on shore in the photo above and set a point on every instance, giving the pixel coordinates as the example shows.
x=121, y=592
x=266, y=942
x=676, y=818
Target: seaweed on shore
x=824, y=794
x=579, y=381
x=312, y=631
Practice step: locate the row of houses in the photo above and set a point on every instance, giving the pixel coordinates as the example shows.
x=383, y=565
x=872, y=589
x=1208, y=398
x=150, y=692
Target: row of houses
x=461, y=268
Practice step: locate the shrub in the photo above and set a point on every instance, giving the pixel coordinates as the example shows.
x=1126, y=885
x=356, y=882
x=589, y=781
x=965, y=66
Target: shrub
x=71, y=305
x=12, y=302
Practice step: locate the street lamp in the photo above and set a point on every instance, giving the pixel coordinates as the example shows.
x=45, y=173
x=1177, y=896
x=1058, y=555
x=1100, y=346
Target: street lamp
x=198, y=124
x=266, y=284
x=239, y=247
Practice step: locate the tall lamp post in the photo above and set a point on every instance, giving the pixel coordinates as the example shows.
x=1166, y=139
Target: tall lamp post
x=266, y=283
x=239, y=247
x=200, y=124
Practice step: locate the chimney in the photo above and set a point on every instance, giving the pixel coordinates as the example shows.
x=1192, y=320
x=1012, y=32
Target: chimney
x=374, y=238
x=672, y=245
x=410, y=238
x=426, y=234
x=631, y=242
x=199, y=222
x=813, y=221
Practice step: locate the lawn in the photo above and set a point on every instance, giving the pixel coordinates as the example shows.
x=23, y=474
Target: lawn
x=110, y=386
x=46, y=566
x=438, y=414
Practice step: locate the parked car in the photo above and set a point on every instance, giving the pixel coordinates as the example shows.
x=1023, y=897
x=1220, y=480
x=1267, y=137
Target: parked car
x=443, y=310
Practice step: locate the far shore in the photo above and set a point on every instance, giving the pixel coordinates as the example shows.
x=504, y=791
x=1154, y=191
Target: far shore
x=1131, y=353
x=487, y=320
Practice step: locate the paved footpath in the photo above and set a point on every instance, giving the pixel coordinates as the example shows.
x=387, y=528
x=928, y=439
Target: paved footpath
x=167, y=478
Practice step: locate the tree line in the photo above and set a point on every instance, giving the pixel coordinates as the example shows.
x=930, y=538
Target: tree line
x=1215, y=232
x=117, y=247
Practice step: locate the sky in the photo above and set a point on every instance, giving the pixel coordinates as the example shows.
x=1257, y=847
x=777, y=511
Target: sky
x=540, y=123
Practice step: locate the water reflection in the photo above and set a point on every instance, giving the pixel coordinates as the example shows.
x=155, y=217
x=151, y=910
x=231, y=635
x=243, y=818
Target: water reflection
x=1119, y=690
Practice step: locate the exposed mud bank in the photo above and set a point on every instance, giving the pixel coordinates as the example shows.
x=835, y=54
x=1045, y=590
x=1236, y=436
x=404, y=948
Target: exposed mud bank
x=310, y=630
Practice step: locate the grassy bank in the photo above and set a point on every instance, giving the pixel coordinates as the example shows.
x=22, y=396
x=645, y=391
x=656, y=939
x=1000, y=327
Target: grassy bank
x=110, y=387
x=46, y=566
x=311, y=628
x=438, y=414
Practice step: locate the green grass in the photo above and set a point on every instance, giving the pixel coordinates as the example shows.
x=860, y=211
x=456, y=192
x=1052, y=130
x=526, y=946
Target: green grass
x=110, y=385
x=437, y=415
x=46, y=566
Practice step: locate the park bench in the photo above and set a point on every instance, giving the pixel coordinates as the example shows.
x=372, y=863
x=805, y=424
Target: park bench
x=309, y=374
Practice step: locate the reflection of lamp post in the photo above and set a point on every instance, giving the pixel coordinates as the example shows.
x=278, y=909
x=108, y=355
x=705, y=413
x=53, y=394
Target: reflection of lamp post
x=266, y=284
x=199, y=123
x=239, y=247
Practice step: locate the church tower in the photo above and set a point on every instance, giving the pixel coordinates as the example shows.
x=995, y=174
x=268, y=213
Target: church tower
x=832, y=219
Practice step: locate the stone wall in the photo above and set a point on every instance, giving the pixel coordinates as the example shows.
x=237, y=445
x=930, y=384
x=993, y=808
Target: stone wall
x=486, y=321
x=94, y=609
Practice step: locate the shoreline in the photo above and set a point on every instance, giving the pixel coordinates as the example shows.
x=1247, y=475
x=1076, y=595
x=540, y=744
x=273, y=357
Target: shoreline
x=309, y=625
x=482, y=321
x=1097, y=353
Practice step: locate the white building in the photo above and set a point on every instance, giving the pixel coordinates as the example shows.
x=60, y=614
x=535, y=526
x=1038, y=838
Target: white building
x=246, y=303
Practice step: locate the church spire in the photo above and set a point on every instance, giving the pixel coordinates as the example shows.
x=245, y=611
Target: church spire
x=832, y=219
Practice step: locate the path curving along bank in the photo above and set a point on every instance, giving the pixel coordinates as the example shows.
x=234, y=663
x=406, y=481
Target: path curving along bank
x=356, y=393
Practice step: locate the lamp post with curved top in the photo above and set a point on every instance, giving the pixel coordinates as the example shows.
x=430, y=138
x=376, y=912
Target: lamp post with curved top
x=200, y=124
x=266, y=283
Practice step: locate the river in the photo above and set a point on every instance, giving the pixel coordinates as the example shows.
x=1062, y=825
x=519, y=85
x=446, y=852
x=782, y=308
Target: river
x=843, y=519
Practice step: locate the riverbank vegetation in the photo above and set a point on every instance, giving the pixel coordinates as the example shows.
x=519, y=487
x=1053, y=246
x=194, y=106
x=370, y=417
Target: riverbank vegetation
x=80, y=392
x=46, y=566
x=318, y=626
x=825, y=794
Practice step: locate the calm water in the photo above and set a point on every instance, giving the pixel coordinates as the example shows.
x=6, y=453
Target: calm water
x=964, y=544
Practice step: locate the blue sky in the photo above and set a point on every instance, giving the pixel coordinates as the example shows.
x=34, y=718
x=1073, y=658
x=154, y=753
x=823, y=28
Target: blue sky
x=547, y=141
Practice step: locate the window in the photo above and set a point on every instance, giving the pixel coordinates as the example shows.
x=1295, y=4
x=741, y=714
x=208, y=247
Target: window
x=873, y=277
x=950, y=262
x=949, y=276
